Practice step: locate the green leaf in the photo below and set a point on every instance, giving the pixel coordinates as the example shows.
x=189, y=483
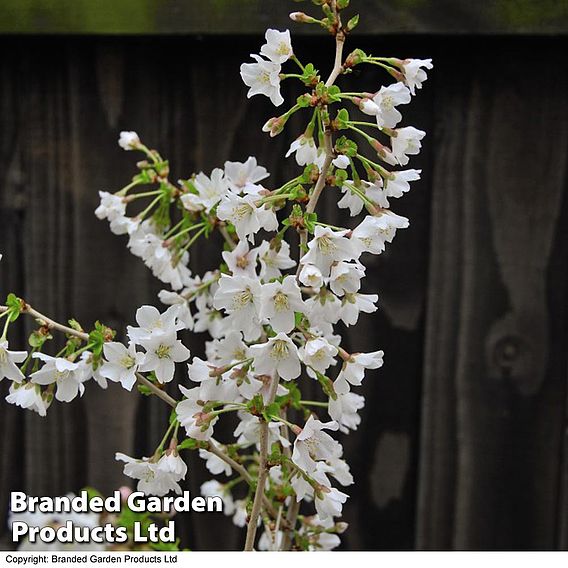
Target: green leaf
x=352, y=23
x=188, y=444
x=15, y=306
x=342, y=119
x=272, y=409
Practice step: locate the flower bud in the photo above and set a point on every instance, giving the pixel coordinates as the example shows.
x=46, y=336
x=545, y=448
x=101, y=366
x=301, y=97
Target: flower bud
x=274, y=126
x=302, y=18
x=341, y=527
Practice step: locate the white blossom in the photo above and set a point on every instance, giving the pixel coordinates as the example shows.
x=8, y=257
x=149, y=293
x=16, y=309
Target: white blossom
x=399, y=185
x=383, y=104
x=342, y=162
x=279, y=354
x=344, y=409
x=239, y=296
x=407, y=142
x=329, y=503
x=262, y=78
x=353, y=371
x=183, y=315
x=171, y=463
x=278, y=46
x=214, y=464
x=374, y=231
x=152, y=322
x=215, y=489
x=345, y=277
x=197, y=424
x=243, y=177
x=274, y=259
x=313, y=444
x=280, y=301
x=128, y=140
x=241, y=261
x=318, y=354
x=246, y=216
x=414, y=74
x=8, y=360
x=311, y=276
x=151, y=480
x=65, y=374
x=28, y=396
x=163, y=351
x=111, y=207
x=305, y=150
x=121, y=363
x=210, y=190
x=353, y=304
x=328, y=246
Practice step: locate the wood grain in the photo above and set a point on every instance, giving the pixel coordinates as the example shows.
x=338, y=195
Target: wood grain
x=462, y=442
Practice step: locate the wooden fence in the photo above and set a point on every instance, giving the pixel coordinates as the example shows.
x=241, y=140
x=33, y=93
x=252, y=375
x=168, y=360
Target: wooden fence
x=463, y=441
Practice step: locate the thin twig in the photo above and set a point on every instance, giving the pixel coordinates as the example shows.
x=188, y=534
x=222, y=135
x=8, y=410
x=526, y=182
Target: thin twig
x=228, y=239
x=262, y=472
x=156, y=391
x=241, y=470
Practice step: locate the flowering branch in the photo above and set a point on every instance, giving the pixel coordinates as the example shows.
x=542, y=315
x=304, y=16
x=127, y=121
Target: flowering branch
x=271, y=318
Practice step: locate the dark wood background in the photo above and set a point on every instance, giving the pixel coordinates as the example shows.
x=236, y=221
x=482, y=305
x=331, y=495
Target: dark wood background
x=463, y=441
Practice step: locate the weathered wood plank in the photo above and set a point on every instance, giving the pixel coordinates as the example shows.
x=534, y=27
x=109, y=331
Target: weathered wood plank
x=253, y=16
x=491, y=480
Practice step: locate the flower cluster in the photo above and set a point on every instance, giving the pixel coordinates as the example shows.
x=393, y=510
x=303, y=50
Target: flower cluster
x=272, y=315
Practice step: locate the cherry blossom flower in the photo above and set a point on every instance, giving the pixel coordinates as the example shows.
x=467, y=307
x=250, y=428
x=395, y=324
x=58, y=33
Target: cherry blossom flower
x=311, y=276
x=414, y=74
x=406, y=143
x=183, y=315
x=63, y=373
x=383, y=104
x=171, y=463
x=197, y=424
x=152, y=322
x=280, y=301
x=247, y=218
x=210, y=190
x=121, y=363
x=318, y=354
x=263, y=78
x=241, y=261
x=28, y=396
x=328, y=246
x=344, y=409
x=345, y=277
x=128, y=140
x=399, y=185
x=163, y=350
x=353, y=371
x=278, y=46
x=243, y=177
x=342, y=162
x=214, y=464
x=316, y=531
x=151, y=480
x=215, y=489
x=305, y=150
x=279, y=354
x=274, y=259
x=329, y=502
x=355, y=303
x=313, y=444
x=111, y=207
x=8, y=360
x=374, y=231
x=239, y=296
